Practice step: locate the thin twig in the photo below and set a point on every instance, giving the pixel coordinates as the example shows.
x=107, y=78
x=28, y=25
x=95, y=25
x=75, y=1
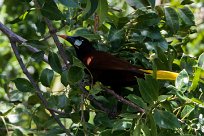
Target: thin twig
x=123, y=100
x=57, y=42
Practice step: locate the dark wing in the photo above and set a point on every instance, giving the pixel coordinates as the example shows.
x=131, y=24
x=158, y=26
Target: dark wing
x=105, y=61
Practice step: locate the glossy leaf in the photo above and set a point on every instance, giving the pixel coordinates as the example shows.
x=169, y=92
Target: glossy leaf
x=165, y=119
x=188, y=63
x=201, y=61
x=182, y=81
x=116, y=37
x=46, y=77
x=69, y=3
x=54, y=62
x=38, y=56
x=149, y=19
x=23, y=85
x=149, y=89
x=87, y=34
x=172, y=19
x=91, y=7
x=196, y=79
x=51, y=11
x=187, y=111
x=75, y=74
x=102, y=10
x=186, y=16
x=64, y=78
x=137, y=100
x=153, y=125
x=177, y=92
x=121, y=125
x=137, y=3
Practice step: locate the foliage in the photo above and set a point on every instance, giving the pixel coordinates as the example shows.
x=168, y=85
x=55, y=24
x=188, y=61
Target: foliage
x=153, y=37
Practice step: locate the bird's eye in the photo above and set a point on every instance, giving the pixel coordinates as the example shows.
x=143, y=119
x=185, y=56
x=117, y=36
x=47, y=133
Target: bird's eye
x=78, y=43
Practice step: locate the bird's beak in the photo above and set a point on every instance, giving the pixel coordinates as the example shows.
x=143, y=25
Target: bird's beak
x=68, y=38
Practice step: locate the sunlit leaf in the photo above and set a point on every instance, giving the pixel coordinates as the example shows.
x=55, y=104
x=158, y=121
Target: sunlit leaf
x=182, y=81
x=21, y=17
x=186, y=111
x=166, y=119
x=201, y=61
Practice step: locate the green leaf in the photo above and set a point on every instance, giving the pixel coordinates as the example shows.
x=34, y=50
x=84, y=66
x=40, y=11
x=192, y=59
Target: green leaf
x=116, y=37
x=23, y=85
x=186, y=111
x=21, y=17
x=38, y=56
x=182, y=81
x=64, y=78
x=75, y=74
x=177, y=92
x=149, y=19
x=86, y=34
x=51, y=11
x=196, y=79
x=91, y=7
x=33, y=99
x=41, y=27
x=149, y=89
x=62, y=101
x=54, y=62
x=102, y=11
x=152, y=125
x=137, y=128
x=137, y=3
x=121, y=125
x=69, y=3
x=166, y=119
x=201, y=61
x=46, y=77
x=186, y=16
x=172, y=19
x=137, y=100
x=188, y=63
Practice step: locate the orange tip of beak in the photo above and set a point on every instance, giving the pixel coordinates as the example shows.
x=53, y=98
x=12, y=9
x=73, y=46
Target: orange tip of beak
x=63, y=36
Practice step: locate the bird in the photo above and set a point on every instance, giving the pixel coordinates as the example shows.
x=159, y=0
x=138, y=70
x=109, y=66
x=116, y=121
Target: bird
x=109, y=69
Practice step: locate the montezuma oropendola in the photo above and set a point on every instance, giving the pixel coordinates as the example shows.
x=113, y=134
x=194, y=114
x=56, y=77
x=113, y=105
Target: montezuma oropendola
x=108, y=69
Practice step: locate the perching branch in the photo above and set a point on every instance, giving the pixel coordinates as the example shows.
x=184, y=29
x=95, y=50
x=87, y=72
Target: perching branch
x=123, y=100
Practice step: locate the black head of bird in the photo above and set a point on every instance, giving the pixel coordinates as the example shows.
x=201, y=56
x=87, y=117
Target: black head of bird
x=82, y=45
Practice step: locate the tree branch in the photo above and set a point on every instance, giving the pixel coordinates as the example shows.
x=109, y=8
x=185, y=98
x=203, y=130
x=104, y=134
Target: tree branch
x=123, y=100
x=19, y=39
x=38, y=91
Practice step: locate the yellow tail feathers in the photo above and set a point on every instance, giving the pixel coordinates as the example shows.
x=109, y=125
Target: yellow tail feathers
x=163, y=75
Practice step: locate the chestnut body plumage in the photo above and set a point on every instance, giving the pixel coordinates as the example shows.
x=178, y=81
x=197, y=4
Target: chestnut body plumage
x=109, y=69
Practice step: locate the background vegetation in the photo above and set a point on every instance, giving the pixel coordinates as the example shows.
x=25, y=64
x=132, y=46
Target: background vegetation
x=152, y=34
